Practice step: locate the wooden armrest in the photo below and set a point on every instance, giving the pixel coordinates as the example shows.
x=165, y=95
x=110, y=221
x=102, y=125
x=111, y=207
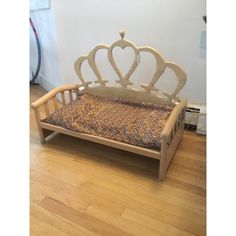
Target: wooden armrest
x=53, y=93
x=170, y=124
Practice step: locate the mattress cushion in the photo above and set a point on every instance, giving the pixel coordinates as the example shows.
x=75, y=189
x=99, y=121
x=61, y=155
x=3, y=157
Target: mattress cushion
x=138, y=124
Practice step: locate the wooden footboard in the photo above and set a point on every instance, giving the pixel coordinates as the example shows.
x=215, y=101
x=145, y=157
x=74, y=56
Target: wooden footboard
x=171, y=137
x=50, y=103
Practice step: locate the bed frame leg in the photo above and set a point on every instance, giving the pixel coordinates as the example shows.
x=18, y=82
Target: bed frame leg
x=163, y=161
x=168, y=151
x=42, y=137
x=43, y=133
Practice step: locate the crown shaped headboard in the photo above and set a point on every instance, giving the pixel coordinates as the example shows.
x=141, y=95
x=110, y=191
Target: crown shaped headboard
x=124, y=90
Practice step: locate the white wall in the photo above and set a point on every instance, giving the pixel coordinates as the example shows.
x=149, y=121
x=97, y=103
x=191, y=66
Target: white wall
x=44, y=22
x=172, y=27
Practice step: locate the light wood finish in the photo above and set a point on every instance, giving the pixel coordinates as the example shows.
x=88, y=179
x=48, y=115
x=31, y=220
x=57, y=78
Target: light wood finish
x=53, y=93
x=43, y=102
x=83, y=188
x=131, y=95
x=55, y=103
x=155, y=154
x=46, y=108
x=173, y=129
x=123, y=80
x=71, y=96
x=175, y=120
x=169, y=148
x=170, y=137
x=37, y=118
x=63, y=98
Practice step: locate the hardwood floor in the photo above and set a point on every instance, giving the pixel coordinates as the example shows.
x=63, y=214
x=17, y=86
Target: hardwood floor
x=83, y=188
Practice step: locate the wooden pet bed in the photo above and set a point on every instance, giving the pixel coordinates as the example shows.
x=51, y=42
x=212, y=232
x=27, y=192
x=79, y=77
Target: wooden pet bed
x=138, y=100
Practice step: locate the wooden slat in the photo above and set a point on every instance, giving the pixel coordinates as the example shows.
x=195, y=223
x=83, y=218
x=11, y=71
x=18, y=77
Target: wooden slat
x=174, y=144
x=179, y=119
x=176, y=126
x=180, y=116
x=63, y=98
x=71, y=96
x=75, y=93
x=155, y=154
x=54, y=99
x=37, y=115
x=53, y=93
x=46, y=108
x=169, y=125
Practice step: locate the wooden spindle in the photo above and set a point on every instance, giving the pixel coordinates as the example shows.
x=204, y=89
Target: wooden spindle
x=46, y=108
x=54, y=99
x=176, y=126
x=63, y=98
x=172, y=134
x=183, y=115
x=76, y=93
x=71, y=96
x=37, y=115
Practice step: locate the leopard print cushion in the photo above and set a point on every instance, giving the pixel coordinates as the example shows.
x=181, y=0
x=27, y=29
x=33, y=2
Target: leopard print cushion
x=138, y=124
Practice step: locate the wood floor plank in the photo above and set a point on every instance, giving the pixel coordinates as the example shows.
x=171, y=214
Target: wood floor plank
x=161, y=194
x=89, y=222
x=104, y=194
x=190, y=163
x=187, y=155
x=147, y=221
x=177, y=195
x=141, y=202
x=121, y=223
x=57, y=170
x=69, y=199
x=61, y=224
x=42, y=228
x=84, y=161
x=189, y=187
x=33, y=220
x=33, y=233
x=188, y=178
x=76, y=197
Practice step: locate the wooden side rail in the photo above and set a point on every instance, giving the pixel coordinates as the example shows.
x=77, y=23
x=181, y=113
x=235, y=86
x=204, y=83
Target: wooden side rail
x=44, y=102
x=171, y=137
x=174, y=119
x=54, y=92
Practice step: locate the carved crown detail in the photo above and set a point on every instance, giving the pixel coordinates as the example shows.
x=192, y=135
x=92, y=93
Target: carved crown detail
x=123, y=80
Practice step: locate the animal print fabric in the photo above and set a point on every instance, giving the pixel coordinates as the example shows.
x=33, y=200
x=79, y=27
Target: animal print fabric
x=139, y=124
